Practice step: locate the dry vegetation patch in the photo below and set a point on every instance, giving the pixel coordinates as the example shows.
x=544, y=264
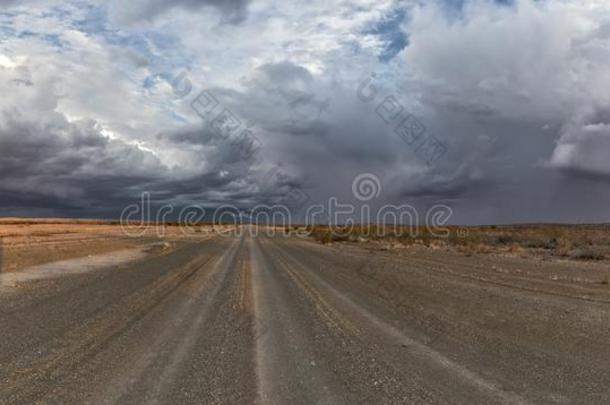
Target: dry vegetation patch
x=571, y=242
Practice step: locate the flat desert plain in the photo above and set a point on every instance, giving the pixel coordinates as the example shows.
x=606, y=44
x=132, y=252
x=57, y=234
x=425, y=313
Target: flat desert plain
x=517, y=314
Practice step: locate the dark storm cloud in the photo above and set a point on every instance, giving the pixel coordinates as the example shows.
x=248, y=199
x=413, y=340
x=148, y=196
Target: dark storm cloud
x=73, y=168
x=321, y=133
x=53, y=166
x=524, y=141
x=62, y=164
x=70, y=167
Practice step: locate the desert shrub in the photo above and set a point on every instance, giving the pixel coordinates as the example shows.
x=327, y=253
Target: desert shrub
x=550, y=244
x=585, y=254
x=456, y=240
x=540, y=243
x=324, y=237
x=424, y=236
x=340, y=237
x=496, y=240
x=564, y=246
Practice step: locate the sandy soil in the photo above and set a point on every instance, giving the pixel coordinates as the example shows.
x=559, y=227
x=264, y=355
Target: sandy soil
x=30, y=242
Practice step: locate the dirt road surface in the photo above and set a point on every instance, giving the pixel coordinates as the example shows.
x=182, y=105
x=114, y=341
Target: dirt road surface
x=274, y=320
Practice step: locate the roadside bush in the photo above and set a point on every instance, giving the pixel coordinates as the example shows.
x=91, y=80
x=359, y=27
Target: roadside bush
x=564, y=247
x=585, y=254
x=496, y=240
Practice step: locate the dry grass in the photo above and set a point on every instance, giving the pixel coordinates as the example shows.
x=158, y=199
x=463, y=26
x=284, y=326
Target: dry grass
x=573, y=242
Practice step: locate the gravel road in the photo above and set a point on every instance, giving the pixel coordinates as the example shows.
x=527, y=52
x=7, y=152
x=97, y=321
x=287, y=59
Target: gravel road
x=276, y=320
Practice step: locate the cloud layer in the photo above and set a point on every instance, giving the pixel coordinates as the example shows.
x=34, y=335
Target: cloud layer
x=510, y=98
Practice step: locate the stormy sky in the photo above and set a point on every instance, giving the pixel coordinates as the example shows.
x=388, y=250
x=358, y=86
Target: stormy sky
x=497, y=109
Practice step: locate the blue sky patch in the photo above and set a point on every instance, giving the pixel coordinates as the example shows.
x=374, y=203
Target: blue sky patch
x=390, y=32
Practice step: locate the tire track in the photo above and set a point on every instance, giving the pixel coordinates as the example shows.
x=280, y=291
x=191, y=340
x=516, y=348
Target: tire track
x=80, y=344
x=188, y=329
x=416, y=348
x=285, y=358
